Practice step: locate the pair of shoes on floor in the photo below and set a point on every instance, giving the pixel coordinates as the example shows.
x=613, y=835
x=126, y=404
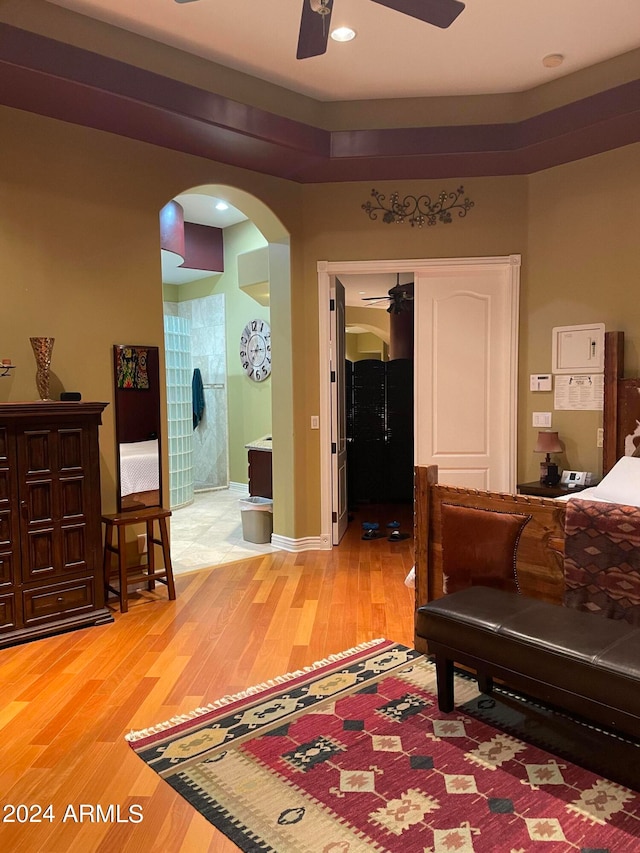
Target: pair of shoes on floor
x=372, y=531
x=395, y=535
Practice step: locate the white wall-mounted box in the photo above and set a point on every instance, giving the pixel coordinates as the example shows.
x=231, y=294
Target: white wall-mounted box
x=540, y=382
x=578, y=349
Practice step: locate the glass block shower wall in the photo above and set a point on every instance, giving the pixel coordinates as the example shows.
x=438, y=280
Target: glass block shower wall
x=177, y=345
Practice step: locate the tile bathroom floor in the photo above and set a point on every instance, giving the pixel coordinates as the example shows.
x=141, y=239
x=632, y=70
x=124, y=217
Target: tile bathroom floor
x=208, y=532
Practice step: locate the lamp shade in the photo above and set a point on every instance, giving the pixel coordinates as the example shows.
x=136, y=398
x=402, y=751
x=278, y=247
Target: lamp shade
x=548, y=442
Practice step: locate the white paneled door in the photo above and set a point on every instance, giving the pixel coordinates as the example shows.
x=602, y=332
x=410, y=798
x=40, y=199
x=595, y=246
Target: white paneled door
x=466, y=363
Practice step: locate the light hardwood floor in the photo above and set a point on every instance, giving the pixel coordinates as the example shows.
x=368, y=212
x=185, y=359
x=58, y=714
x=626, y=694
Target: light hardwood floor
x=68, y=701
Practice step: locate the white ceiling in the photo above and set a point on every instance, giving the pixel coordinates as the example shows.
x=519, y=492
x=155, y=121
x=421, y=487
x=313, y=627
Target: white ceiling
x=494, y=45
x=202, y=210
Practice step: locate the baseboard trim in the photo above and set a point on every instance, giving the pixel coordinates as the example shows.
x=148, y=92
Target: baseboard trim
x=239, y=487
x=307, y=543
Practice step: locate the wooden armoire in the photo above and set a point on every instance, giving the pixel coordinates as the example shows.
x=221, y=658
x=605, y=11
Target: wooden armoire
x=50, y=529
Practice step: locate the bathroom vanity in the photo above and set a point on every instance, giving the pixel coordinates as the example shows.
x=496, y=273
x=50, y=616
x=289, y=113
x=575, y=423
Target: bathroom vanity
x=260, y=468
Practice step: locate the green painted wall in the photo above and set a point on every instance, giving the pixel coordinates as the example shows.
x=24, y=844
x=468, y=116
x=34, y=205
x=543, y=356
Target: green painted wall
x=249, y=402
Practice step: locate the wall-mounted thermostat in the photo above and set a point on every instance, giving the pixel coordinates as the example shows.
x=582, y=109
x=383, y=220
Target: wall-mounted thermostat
x=578, y=349
x=540, y=382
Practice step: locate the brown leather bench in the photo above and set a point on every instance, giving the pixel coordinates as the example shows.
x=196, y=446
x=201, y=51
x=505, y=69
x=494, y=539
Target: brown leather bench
x=584, y=663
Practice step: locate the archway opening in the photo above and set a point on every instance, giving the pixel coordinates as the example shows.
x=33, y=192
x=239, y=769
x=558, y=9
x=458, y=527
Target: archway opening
x=231, y=258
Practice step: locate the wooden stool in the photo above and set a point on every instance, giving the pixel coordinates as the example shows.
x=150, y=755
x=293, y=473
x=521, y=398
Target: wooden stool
x=146, y=572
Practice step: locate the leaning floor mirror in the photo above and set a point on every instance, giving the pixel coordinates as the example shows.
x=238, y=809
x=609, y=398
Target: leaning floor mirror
x=137, y=410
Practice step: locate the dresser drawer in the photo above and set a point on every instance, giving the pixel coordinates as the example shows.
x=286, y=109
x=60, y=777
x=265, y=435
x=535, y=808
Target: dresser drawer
x=46, y=603
x=7, y=612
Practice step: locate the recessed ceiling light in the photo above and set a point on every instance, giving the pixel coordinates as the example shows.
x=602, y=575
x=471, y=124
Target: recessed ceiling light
x=343, y=34
x=552, y=60
x=221, y=205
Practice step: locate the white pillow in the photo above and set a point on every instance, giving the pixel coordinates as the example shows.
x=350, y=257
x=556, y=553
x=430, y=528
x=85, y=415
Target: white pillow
x=622, y=484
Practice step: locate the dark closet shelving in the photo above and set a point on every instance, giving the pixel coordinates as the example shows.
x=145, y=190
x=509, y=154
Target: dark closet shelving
x=380, y=431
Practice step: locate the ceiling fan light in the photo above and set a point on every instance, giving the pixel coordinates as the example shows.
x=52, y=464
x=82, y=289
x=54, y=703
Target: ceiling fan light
x=322, y=7
x=343, y=34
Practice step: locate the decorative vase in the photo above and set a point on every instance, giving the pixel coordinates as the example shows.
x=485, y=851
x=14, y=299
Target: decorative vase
x=42, y=348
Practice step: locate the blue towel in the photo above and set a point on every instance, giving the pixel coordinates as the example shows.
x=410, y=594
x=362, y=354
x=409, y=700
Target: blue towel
x=197, y=392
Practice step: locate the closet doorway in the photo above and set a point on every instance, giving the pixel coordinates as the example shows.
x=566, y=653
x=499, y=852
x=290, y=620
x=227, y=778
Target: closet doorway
x=465, y=369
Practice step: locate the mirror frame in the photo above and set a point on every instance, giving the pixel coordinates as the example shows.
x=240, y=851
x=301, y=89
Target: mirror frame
x=137, y=412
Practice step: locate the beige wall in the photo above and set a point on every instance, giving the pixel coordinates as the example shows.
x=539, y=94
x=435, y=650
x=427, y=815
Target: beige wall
x=582, y=267
x=359, y=347
x=374, y=342
x=79, y=245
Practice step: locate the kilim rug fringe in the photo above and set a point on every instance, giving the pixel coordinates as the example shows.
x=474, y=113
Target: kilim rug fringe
x=250, y=691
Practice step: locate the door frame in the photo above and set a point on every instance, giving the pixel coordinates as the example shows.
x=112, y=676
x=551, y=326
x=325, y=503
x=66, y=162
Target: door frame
x=330, y=269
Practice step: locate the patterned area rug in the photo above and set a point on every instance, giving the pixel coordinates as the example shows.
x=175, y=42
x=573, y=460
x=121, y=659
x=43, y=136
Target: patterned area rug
x=606, y=753
x=353, y=755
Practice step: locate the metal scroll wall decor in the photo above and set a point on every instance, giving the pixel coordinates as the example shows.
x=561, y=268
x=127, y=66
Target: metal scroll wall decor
x=418, y=210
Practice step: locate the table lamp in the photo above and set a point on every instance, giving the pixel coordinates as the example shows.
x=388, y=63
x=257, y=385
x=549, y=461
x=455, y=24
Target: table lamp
x=548, y=442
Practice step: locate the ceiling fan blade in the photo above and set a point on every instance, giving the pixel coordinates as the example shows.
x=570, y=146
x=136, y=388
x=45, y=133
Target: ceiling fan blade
x=184, y=1
x=440, y=13
x=314, y=29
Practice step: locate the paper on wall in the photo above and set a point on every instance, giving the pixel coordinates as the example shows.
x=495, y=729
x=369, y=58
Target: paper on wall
x=582, y=391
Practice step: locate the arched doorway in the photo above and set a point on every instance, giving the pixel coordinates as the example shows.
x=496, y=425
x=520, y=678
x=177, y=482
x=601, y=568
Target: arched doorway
x=207, y=304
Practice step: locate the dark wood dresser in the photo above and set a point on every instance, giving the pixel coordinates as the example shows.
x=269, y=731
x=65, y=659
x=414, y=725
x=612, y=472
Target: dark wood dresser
x=50, y=531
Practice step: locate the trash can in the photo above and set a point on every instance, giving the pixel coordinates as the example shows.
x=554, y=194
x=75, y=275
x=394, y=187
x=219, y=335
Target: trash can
x=257, y=520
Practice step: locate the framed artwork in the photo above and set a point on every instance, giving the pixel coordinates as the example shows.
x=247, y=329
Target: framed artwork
x=131, y=368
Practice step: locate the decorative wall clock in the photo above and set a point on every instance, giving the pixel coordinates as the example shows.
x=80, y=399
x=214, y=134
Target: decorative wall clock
x=255, y=350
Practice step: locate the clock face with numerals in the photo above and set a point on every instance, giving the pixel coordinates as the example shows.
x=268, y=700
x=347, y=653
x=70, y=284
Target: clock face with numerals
x=255, y=350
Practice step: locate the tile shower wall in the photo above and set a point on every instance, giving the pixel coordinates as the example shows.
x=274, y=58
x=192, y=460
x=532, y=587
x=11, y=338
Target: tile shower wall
x=177, y=344
x=207, y=333
x=208, y=350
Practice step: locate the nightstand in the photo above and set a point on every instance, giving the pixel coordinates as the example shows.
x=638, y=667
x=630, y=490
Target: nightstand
x=540, y=490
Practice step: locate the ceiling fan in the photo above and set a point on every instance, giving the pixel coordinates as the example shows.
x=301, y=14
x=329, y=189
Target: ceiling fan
x=316, y=18
x=400, y=298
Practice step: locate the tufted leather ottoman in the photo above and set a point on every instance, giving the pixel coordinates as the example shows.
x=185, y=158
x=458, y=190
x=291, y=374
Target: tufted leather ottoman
x=587, y=664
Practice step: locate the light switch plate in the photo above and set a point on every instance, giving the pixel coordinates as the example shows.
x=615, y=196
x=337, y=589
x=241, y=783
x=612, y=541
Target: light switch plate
x=542, y=419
